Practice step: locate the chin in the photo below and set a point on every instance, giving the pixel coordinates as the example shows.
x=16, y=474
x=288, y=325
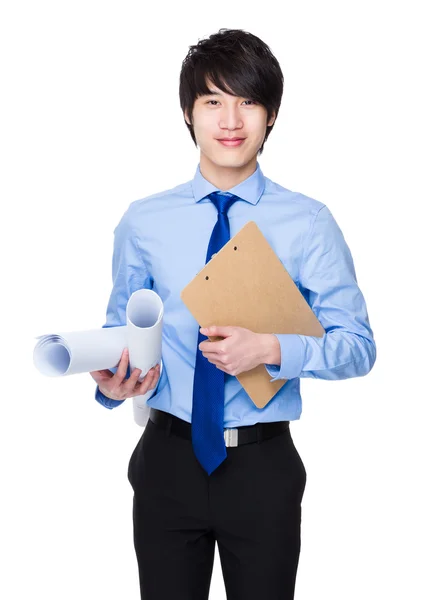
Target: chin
x=232, y=161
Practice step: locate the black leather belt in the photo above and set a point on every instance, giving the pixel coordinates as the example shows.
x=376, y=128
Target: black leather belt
x=233, y=436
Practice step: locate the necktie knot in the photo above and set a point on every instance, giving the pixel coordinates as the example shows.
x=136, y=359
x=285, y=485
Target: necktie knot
x=223, y=200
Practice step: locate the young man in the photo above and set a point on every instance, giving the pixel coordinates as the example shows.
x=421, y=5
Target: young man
x=192, y=486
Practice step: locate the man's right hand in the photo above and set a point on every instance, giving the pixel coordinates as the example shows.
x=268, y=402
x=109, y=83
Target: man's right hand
x=116, y=387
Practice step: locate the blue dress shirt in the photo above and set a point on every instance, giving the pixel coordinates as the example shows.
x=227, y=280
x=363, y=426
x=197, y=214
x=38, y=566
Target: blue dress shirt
x=161, y=243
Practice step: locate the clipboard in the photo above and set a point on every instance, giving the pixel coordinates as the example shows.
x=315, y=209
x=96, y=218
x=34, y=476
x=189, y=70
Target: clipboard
x=245, y=284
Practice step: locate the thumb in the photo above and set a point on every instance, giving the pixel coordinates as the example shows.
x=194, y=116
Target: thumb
x=100, y=376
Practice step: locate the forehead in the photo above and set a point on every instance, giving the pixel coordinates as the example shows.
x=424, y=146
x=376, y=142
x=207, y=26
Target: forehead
x=215, y=90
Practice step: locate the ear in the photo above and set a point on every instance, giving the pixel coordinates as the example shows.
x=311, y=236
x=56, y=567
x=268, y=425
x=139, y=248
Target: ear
x=186, y=119
x=272, y=119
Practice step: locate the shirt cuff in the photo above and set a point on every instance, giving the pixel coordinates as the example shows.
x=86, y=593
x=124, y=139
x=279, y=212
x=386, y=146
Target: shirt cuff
x=292, y=357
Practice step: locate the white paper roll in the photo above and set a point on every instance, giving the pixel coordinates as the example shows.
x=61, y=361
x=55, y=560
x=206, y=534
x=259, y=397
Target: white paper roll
x=59, y=354
x=144, y=337
x=68, y=353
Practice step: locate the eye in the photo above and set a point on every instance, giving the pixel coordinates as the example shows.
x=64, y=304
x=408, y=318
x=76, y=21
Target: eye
x=253, y=101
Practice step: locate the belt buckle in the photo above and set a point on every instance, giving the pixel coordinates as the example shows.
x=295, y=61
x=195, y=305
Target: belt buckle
x=231, y=436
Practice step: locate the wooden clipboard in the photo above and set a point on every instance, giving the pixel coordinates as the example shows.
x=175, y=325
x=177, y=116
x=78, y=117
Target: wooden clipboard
x=245, y=284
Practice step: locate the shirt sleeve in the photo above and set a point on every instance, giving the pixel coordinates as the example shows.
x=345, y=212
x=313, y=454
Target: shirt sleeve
x=329, y=283
x=129, y=274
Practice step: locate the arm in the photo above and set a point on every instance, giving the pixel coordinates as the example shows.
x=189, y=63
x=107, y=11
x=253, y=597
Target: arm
x=328, y=277
x=129, y=273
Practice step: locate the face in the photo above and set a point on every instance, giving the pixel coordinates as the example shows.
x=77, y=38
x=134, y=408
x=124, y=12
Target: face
x=220, y=115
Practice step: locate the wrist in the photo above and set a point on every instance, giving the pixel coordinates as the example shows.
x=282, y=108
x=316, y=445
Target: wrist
x=107, y=395
x=270, y=349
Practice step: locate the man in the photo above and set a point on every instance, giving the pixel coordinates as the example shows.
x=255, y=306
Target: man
x=192, y=487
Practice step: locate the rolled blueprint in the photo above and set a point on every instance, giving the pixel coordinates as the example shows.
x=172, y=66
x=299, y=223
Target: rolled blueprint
x=68, y=353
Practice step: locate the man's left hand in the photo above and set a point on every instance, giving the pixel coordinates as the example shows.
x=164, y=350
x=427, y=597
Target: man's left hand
x=240, y=351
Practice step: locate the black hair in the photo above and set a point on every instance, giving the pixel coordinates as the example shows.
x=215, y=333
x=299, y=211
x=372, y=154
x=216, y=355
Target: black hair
x=238, y=63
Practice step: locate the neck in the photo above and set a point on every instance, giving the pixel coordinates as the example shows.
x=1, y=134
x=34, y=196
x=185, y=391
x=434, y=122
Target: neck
x=225, y=178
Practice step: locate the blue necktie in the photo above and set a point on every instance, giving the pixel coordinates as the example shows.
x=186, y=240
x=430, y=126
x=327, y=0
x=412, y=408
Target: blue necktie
x=208, y=384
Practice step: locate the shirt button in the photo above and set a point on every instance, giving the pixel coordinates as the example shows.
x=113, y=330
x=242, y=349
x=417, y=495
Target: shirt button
x=214, y=254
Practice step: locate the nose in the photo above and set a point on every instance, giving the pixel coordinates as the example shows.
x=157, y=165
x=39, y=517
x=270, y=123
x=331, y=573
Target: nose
x=230, y=118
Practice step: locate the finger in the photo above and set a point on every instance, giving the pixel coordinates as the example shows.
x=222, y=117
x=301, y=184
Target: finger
x=131, y=382
x=120, y=374
x=134, y=375
x=213, y=354
x=142, y=386
x=211, y=347
x=218, y=364
x=146, y=384
x=124, y=350
x=156, y=376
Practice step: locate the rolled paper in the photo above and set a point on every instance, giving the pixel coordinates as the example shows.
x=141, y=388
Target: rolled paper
x=68, y=353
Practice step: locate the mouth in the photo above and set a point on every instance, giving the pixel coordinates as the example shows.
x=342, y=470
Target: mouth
x=231, y=142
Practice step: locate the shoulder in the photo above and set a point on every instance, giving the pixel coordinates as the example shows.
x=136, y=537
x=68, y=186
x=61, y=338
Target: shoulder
x=306, y=203
x=158, y=200
x=152, y=203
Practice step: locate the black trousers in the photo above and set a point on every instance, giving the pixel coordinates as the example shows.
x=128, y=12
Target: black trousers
x=250, y=505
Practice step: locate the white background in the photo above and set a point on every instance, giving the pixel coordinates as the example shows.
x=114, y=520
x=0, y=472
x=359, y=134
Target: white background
x=90, y=121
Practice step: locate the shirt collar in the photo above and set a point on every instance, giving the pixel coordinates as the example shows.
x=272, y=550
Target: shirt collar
x=251, y=189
